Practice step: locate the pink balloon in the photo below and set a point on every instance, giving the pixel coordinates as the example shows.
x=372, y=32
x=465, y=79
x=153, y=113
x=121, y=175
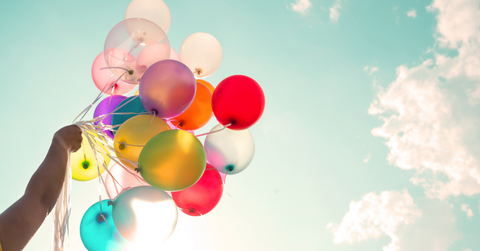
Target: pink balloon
x=167, y=88
x=150, y=54
x=174, y=55
x=106, y=77
x=123, y=179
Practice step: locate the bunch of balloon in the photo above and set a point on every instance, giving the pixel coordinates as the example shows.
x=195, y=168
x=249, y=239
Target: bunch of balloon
x=143, y=148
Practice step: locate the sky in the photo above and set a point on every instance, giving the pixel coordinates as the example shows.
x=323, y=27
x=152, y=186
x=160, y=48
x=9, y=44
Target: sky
x=369, y=137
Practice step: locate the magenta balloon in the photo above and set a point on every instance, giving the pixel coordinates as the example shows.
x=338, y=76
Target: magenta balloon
x=108, y=105
x=104, y=79
x=167, y=88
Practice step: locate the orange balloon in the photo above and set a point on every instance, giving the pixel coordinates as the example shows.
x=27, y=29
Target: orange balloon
x=205, y=83
x=199, y=112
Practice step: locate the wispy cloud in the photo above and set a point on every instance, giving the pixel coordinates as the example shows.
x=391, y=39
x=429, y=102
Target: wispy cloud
x=367, y=159
x=301, y=6
x=429, y=112
x=370, y=70
x=467, y=210
x=412, y=13
x=335, y=11
x=374, y=216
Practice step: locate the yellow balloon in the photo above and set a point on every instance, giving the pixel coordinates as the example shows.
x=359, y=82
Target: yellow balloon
x=133, y=134
x=84, y=163
x=173, y=160
x=136, y=93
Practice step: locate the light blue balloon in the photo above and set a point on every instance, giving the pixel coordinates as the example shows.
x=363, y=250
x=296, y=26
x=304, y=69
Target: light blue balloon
x=96, y=234
x=133, y=106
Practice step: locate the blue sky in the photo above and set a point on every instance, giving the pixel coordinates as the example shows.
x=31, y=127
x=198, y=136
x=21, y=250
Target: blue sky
x=369, y=138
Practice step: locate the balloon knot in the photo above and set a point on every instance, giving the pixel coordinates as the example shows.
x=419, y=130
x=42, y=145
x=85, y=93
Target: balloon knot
x=130, y=72
x=110, y=203
x=229, y=168
x=137, y=169
x=122, y=146
x=198, y=71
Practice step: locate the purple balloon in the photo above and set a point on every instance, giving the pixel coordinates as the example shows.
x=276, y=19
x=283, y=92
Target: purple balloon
x=108, y=105
x=167, y=88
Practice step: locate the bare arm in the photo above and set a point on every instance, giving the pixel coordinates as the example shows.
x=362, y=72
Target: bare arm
x=21, y=221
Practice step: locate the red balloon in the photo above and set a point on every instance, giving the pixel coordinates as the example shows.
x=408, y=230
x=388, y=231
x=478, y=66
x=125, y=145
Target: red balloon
x=238, y=100
x=203, y=196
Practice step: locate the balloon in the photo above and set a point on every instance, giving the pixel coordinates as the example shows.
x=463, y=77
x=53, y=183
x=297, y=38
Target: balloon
x=202, y=53
x=106, y=106
x=151, y=53
x=229, y=151
x=123, y=179
x=173, y=160
x=136, y=93
x=84, y=163
x=131, y=105
x=238, y=100
x=105, y=77
x=202, y=197
x=199, y=112
x=145, y=215
x=154, y=10
x=167, y=88
x=133, y=134
x=174, y=55
x=125, y=46
x=98, y=235
x=208, y=85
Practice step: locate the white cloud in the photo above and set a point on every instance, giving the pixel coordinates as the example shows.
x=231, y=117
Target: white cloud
x=466, y=209
x=335, y=11
x=412, y=13
x=367, y=159
x=430, y=113
x=301, y=6
x=370, y=70
x=374, y=216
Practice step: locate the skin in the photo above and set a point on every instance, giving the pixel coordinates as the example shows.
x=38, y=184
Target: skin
x=19, y=222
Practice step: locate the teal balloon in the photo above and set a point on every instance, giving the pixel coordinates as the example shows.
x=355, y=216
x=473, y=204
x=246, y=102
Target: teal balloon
x=134, y=106
x=96, y=234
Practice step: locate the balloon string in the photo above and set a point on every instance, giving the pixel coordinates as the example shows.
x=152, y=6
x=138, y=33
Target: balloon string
x=116, y=67
x=225, y=184
x=219, y=130
x=154, y=114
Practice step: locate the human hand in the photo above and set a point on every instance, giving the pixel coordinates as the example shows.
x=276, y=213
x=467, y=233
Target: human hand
x=69, y=137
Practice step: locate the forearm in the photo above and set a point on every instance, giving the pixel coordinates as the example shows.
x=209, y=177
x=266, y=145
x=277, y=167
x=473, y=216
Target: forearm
x=46, y=183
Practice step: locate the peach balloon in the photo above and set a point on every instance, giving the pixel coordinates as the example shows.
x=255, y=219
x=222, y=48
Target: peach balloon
x=198, y=113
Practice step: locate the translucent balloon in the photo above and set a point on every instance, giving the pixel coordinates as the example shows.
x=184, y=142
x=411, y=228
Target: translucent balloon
x=202, y=197
x=123, y=179
x=145, y=215
x=229, y=151
x=132, y=106
x=202, y=53
x=84, y=163
x=207, y=84
x=133, y=134
x=154, y=10
x=104, y=79
x=238, y=100
x=98, y=234
x=125, y=44
x=107, y=106
x=198, y=113
x=174, y=55
x=167, y=88
x=173, y=160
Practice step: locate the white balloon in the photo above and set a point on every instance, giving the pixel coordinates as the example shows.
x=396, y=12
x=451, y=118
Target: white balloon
x=154, y=10
x=229, y=151
x=202, y=53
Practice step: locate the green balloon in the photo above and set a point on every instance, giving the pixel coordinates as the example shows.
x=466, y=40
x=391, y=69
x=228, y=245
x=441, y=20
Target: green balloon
x=173, y=160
